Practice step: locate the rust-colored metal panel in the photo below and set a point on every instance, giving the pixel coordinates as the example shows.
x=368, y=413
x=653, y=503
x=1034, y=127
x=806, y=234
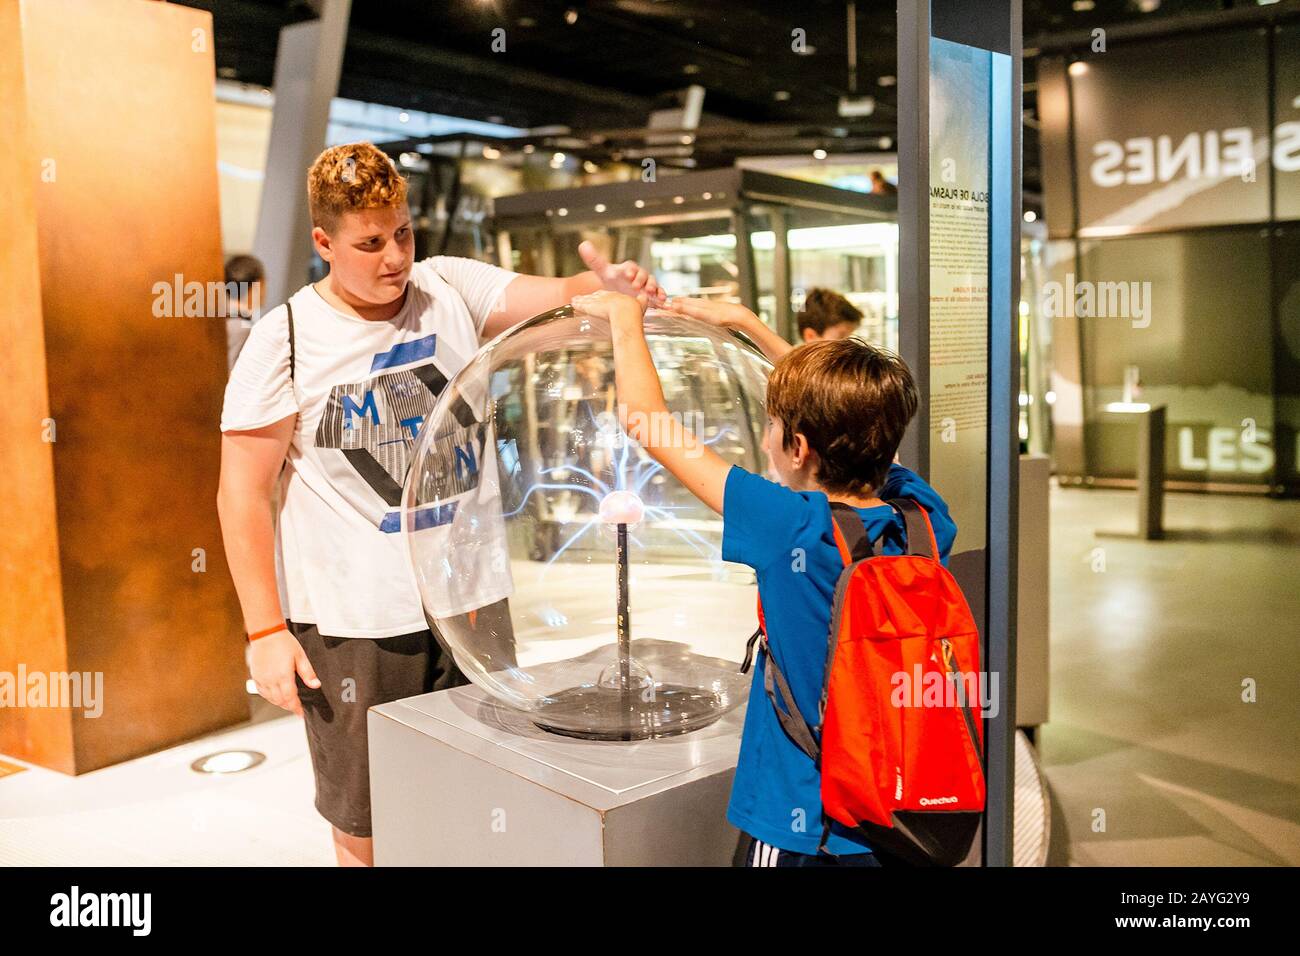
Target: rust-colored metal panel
x=120, y=114
x=31, y=606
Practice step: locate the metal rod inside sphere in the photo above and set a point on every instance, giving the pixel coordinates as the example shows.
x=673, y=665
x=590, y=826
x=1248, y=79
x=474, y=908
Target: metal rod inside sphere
x=624, y=622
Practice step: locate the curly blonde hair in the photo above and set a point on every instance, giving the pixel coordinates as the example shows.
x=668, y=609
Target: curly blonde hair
x=350, y=177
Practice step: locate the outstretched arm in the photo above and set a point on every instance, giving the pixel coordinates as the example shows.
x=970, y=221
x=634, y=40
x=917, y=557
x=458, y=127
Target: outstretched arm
x=641, y=407
x=527, y=296
x=734, y=317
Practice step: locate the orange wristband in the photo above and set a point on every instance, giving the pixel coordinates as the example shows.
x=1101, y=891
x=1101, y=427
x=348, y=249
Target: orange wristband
x=266, y=633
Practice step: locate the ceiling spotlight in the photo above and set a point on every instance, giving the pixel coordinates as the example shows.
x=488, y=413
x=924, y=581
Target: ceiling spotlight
x=529, y=147
x=1151, y=6
x=819, y=153
x=561, y=211
x=600, y=207
x=408, y=159
x=679, y=200
x=590, y=167
x=403, y=117
x=690, y=69
x=1083, y=6
x=1078, y=68
x=886, y=143
x=1030, y=215
x=781, y=95
x=570, y=16
x=888, y=80
x=640, y=204
x=706, y=196
x=491, y=152
x=687, y=140
x=228, y=761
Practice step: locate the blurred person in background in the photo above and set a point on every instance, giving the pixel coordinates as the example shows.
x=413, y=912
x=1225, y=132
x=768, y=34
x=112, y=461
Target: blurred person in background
x=827, y=315
x=245, y=284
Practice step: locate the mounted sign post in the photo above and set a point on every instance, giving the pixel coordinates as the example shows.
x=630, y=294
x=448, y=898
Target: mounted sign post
x=959, y=69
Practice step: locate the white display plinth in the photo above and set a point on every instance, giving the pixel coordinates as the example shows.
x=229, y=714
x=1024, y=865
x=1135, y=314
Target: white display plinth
x=458, y=780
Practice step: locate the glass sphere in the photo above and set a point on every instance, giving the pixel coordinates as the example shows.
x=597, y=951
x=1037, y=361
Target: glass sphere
x=570, y=575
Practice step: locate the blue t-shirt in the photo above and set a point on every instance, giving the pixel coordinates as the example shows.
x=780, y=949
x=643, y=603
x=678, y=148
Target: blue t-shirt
x=787, y=538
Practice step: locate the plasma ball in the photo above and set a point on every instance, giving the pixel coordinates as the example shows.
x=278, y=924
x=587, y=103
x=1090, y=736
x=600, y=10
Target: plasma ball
x=622, y=507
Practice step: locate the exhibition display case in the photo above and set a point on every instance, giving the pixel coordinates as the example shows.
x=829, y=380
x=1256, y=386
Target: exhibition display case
x=740, y=234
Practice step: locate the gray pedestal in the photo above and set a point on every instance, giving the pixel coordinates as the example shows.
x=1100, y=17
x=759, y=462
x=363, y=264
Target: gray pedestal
x=457, y=780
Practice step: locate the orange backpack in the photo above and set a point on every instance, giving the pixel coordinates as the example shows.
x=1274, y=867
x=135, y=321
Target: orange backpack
x=898, y=745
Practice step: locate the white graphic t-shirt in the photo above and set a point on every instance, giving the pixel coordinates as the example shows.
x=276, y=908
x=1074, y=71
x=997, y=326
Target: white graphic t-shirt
x=362, y=390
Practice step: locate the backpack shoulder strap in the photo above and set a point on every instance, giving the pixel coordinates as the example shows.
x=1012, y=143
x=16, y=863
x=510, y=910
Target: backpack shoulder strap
x=792, y=721
x=292, y=356
x=850, y=532
x=920, y=533
x=776, y=686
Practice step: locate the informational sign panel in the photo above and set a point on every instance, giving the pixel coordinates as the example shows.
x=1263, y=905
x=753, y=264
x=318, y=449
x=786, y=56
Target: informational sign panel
x=1286, y=121
x=1172, y=134
x=959, y=282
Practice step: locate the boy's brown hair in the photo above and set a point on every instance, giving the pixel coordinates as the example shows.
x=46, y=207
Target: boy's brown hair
x=824, y=309
x=351, y=177
x=852, y=402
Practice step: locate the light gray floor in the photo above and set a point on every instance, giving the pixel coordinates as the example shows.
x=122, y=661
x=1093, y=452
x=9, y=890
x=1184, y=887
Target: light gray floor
x=1151, y=752
x=156, y=811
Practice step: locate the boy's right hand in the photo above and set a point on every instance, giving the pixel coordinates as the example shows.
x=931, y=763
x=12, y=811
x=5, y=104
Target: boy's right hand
x=273, y=661
x=724, y=315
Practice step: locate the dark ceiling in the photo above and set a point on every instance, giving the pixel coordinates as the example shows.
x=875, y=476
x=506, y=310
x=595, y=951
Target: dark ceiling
x=606, y=63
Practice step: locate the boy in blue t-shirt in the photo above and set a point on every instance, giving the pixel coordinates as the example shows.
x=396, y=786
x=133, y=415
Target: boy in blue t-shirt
x=837, y=411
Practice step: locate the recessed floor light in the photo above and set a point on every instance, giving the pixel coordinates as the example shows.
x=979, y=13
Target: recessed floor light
x=228, y=761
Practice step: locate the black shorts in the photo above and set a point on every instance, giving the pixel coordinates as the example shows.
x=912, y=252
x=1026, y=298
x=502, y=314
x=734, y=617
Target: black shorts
x=356, y=673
